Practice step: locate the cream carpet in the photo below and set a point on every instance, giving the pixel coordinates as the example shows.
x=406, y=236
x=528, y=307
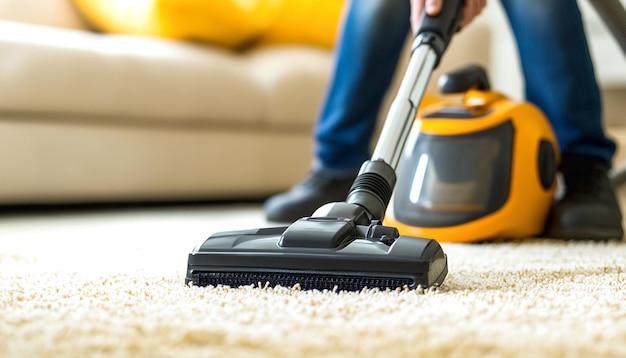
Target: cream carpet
x=110, y=284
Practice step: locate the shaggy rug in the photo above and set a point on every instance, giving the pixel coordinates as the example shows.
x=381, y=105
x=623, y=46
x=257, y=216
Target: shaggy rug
x=111, y=284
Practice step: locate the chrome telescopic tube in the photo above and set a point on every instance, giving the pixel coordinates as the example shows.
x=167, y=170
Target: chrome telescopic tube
x=404, y=107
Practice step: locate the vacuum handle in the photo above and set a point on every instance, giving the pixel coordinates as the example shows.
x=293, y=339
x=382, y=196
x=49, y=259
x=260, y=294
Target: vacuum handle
x=433, y=37
x=437, y=31
x=374, y=185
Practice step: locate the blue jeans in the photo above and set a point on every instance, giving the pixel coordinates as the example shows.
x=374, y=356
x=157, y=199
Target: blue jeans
x=557, y=68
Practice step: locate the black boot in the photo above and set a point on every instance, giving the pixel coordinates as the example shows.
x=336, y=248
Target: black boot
x=589, y=209
x=317, y=189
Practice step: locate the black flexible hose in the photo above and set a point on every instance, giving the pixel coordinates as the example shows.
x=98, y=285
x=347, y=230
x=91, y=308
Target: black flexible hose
x=614, y=16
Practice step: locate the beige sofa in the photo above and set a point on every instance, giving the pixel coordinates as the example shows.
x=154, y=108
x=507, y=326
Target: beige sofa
x=90, y=117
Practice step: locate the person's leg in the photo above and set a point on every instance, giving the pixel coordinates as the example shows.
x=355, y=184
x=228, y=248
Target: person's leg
x=559, y=79
x=558, y=72
x=367, y=52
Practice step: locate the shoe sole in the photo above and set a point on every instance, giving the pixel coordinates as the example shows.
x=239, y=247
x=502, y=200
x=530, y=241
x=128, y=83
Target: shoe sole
x=586, y=234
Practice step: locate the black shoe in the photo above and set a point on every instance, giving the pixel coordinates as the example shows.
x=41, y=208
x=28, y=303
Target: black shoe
x=589, y=209
x=317, y=189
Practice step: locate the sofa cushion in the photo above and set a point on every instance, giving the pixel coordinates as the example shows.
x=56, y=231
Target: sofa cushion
x=88, y=75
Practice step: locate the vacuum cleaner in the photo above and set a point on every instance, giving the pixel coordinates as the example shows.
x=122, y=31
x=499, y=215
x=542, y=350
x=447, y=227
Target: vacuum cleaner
x=483, y=169
x=344, y=245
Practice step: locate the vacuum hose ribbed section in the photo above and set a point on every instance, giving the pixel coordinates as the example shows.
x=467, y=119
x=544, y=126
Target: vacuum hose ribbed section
x=614, y=16
x=373, y=187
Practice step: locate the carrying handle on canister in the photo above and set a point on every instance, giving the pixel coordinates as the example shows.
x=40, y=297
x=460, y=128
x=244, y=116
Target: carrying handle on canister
x=437, y=31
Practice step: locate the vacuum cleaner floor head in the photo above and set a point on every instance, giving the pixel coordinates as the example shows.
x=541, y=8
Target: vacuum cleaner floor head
x=336, y=255
x=343, y=245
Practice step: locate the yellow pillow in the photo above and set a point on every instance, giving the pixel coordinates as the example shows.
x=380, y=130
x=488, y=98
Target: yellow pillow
x=228, y=23
x=311, y=22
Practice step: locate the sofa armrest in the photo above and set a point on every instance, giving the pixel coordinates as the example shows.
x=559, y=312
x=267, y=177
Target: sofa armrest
x=59, y=13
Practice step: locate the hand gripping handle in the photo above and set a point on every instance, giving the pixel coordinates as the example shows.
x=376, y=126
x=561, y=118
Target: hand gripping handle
x=437, y=31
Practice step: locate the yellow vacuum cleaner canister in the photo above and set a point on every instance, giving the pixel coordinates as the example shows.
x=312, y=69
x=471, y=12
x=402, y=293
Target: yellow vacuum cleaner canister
x=483, y=169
